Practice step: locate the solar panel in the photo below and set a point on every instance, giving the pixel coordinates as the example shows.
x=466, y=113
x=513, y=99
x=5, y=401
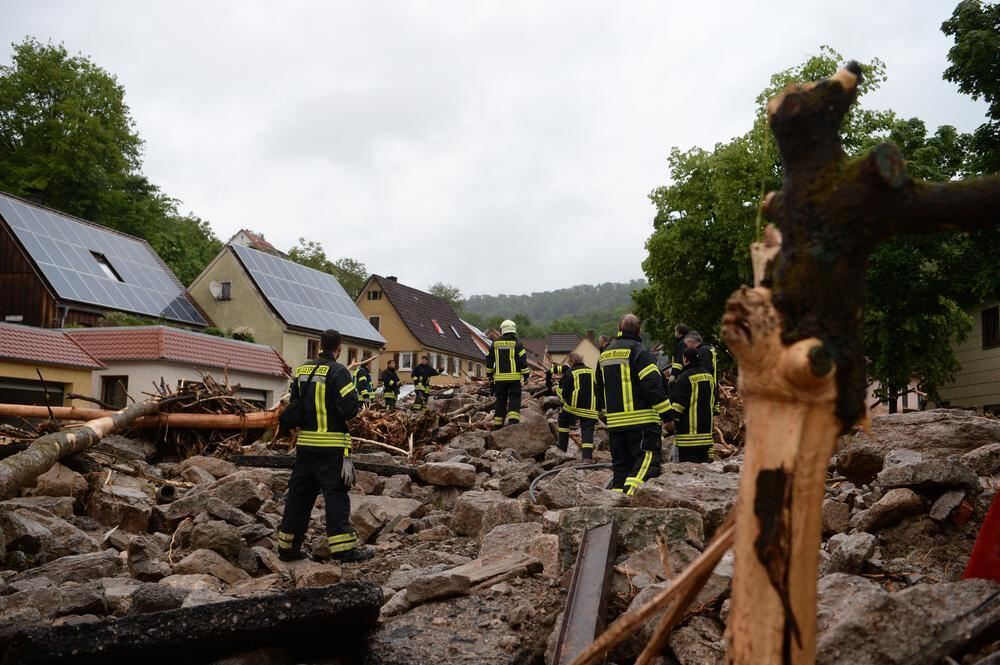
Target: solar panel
x=68, y=251
x=306, y=298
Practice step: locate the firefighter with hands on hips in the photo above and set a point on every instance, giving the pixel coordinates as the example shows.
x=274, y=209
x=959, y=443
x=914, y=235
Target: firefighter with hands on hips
x=708, y=357
x=390, y=385
x=630, y=392
x=422, y=375
x=576, y=392
x=329, y=400
x=506, y=367
x=691, y=405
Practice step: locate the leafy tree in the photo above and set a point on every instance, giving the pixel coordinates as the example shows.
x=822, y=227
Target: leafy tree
x=975, y=67
x=67, y=138
x=351, y=273
x=450, y=294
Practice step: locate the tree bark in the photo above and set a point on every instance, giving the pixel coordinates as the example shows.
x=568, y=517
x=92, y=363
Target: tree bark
x=255, y=420
x=18, y=470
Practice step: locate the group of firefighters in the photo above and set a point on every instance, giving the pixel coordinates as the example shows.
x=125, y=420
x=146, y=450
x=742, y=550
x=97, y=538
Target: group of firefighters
x=627, y=391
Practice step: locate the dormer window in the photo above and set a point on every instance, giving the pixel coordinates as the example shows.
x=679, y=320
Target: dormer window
x=437, y=327
x=106, y=267
x=457, y=336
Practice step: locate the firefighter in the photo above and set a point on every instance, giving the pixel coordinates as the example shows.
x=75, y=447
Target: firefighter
x=322, y=459
x=602, y=342
x=708, y=357
x=629, y=389
x=506, y=367
x=691, y=410
x=576, y=392
x=422, y=375
x=390, y=385
x=363, y=384
x=677, y=359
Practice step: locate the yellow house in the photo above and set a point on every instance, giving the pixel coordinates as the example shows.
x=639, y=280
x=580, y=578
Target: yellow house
x=287, y=305
x=64, y=366
x=560, y=345
x=977, y=383
x=414, y=324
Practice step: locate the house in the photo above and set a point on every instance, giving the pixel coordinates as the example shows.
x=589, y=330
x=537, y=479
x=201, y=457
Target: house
x=560, y=345
x=136, y=358
x=64, y=365
x=479, y=337
x=248, y=238
x=57, y=270
x=534, y=348
x=416, y=323
x=977, y=383
x=287, y=305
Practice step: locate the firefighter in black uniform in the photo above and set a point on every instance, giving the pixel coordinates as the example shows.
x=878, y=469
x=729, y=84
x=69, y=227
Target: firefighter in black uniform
x=506, y=367
x=677, y=359
x=322, y=459
x=708, y=357
x=422, y=375
x=629, y=389
x=691, y=410
x=390, y=385
x=576, y=391
x=363, y=384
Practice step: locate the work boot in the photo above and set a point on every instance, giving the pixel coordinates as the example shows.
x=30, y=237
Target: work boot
x=355, y=555
x=291, y=555
x=587, y=456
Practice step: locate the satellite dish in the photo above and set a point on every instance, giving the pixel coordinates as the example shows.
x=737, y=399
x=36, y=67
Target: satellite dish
x=216, y=290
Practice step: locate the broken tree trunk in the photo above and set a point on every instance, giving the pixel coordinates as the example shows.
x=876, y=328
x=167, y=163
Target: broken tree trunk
x=18, y=470
x=798, y=342
x=234, y=421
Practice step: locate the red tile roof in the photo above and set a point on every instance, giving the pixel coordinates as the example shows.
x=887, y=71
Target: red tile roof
x=43, y=347
x=258, y=242
x=182, y=346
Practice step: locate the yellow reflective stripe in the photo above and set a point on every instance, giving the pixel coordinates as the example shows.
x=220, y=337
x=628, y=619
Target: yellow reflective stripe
x=522, y=353
x=513, y=415
x=616, y=354
x=320, y=402
x=617, y=489
x=576, y=388
x=583, y=413
x=662, y=407
x=676, y=366
x=288, y=537
x=627, y=403
x=586, y=445
x=507, y=376
x=693, y=415
x=679, y=408
x=644, y=469
x=346, y=390
x=647, y=370
x=685, y=440
x=564, y=429
x=343, y=547
x=341, y=538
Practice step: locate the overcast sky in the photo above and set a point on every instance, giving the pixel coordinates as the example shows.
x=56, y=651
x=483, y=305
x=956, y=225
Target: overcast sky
x=504, y=147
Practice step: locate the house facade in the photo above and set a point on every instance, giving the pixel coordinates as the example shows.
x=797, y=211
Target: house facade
x=415, y=323
x=977, y=383
x=57, y=270
x=560, y=345
x=27, y=352
x=135, y=359
x=287, y=305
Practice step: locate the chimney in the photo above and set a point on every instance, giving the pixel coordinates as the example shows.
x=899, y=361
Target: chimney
x=590, y=335
x=392, y=278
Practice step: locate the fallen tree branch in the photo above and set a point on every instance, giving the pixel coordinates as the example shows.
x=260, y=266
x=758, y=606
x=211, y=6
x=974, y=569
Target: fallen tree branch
x=356, y=439
x=92, y=400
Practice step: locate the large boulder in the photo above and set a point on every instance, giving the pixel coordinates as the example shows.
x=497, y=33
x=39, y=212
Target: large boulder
x=218, y=536
x=569, y=488
x=207, y=562
x=78, y=567
x=125, y=507
x=447, y=474
x=848, y=553
x=984, y=461
x=369, y=513
x=529, y=438
x=218, y=468
x=929, y=476
x=636, y=527
x=59, y=481
x=699, y=642
x=476, y=512
x=145, y=560
x=244, y=490
x=43, y=535
x=699, y=487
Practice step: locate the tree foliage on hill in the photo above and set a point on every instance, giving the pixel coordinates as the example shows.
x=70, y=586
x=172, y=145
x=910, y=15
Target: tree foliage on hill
x=351, y=273
x=708, y=215
x=67, y=137
x=450, y=294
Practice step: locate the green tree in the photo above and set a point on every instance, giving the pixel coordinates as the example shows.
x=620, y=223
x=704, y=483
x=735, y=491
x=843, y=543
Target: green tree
x=975, y=67
x=351, y=273
x=67, y=137
x=450, y=294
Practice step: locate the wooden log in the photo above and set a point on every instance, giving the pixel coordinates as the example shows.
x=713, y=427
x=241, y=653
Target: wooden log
x=255, y=420
x=18, y=470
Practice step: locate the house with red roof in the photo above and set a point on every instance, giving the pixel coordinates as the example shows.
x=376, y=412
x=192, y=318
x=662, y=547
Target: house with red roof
x=27, y=352
x=135, y=359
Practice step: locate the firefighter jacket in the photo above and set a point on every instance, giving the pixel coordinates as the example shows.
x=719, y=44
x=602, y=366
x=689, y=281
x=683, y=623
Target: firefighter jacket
x=576, y=390
x=691, y=407
x=422, y=374
x=677, y=360
x=629, y=386
x=507, y=360
x=708, y=357
x=554, y=371
x=330, y=400
x=363, y=383
x=390, y=383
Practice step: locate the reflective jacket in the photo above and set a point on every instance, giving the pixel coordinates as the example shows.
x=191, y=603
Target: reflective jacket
x=363, y=383
x=390, y=383
x=330, y=400
x=422, y=374
x=554, y=371
x=507, y=360
x=629, y=386
x=576, y=390
x=691, y=407
x=677, y=360
x=708, y=357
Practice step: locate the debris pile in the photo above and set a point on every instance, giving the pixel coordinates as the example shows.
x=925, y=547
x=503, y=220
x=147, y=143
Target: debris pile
x=469, y=568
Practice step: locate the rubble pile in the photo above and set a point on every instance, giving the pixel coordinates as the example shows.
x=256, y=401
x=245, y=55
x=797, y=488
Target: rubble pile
x=472, y=570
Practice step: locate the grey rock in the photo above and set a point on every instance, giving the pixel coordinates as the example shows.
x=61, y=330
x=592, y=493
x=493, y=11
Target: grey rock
x=529, y=438
x=254, y=532
x=148, y=598
x=929, y=475
x=400, y=579
x=244, y=490
x=227, y=513
x=196, y=581
x=636, y=527
x=848, y=553
x=506, y=538
x=985, y=461
x=133, y=449
x=901, y=457
x=217, y=536
x=839, y=594
x=448, y=474
x=82, y=598
x=208, y=562
x=892, y=508
x=45, y=601
x=145, y=560
x=514, y=483
x=42, y=534
x=836, y=517
x=476, y=512
x=946, y=504
x=60, y=506
x=435, y=586
x=218, y=468
x=197, y=476
x=77, y=567
x=698, y=487
x=473, y=443
x=204, y=597
x=568, y=489
x=126, y=507
x=699, y=642
x=59, y=481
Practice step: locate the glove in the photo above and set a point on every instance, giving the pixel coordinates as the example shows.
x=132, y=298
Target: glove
x=347, y=472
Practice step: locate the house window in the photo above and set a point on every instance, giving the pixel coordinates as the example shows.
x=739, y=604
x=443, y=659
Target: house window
x=991, y=327
x=226, y=291
x=437, y=327
x=312, y=349
x=366, y=354
x=106, y=267
x=479, y=371
x=374, y=294
x=352, y=355
x=376, y=322
x=455, y=331
x=406, y=361
x=452, y=366
x=114, y=391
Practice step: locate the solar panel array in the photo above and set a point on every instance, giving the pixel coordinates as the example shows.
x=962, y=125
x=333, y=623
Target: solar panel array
x=64, y=250
x=306, y=298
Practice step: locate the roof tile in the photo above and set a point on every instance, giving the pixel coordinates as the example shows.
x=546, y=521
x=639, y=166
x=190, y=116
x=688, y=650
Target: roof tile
x=43, y=347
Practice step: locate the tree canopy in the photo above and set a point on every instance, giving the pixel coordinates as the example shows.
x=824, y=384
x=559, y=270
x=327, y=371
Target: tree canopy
x=450, y=294
x=67, y=138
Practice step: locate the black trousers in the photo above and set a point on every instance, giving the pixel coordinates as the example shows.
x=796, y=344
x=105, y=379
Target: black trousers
x=567, y=421
x=421, y=395
x=699, y=454
x=390, y=403
x=508, y=394
x=316, y=470
x=635, y=456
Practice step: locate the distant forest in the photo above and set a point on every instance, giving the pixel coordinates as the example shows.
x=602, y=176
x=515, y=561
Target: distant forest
x=575, y=309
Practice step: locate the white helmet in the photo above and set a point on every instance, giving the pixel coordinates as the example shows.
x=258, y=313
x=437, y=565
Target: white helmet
x=508, y=326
